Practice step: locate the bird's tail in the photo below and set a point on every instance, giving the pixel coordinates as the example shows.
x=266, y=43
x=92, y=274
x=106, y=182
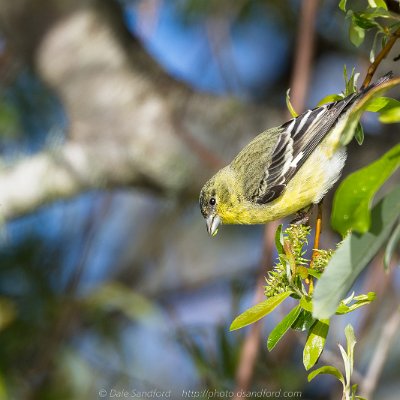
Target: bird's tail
x=356, y=96
x=385, y=78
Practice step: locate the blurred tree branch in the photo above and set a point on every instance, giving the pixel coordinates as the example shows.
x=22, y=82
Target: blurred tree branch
x=300, y=82
x=130, y=124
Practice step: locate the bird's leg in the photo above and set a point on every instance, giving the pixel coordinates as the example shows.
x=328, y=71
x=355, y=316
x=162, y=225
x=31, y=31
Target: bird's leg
x=318, y=227
x=303, y=216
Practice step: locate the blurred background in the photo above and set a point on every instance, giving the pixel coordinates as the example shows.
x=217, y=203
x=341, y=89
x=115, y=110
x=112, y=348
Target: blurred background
x=113, y=114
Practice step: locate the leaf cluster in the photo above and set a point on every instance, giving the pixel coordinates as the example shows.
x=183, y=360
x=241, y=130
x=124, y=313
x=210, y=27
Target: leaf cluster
x=374, y=17
x=291, y=277
x=349, y=391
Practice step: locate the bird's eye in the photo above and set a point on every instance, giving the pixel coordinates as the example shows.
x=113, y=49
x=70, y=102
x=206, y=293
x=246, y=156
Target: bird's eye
x=212, y=201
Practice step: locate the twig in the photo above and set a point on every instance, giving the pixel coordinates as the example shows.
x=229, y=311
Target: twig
x=377, y=362
x=381, y=55
x=251, y=344
x=300, y=79
x=318, y=229
x=329, y=357
x=204, y=154
x=304, y=54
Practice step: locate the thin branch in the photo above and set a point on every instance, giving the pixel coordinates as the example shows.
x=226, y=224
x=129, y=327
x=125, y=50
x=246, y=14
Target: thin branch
x=379, y=58
x=252, y=341
x=379, y=357
x=301, y=77
x=304, y=54
x=203, y=153
x=75, y=168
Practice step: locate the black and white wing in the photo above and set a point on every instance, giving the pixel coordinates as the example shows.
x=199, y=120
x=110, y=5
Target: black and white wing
x=297, y=140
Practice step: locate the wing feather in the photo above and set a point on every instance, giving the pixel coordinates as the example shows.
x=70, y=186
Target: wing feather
x=271, y=159
x=297, y=140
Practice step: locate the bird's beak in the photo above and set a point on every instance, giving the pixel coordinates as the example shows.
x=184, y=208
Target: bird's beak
x=213, y=222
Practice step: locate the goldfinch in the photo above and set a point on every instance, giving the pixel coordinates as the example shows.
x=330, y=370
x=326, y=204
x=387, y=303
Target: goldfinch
x=282, y=170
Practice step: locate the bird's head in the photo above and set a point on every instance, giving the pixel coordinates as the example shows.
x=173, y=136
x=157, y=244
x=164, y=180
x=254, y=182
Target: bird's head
x=214, y=199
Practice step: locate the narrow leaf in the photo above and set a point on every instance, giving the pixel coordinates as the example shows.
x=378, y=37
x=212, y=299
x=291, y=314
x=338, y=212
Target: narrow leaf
x=327, y=370
x=359, y=301
x=329, y=99
x=315, y=343
x=377, y=3
x=373, y=47
x=348, y=299
x=359, y=134
x=258, y=311
x=391, y=246
x=346, y=362
x=351, y=342
x=279, y=240
x=353, y=255
x=342, y=5
x=282, y=327
x=352, y=200
x=357, y=34
x=292, y=111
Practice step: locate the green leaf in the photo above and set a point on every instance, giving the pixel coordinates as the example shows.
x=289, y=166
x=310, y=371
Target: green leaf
x=359, y=301
x=306, y=304
x=353, y=255
x=346, y=362
x=330, y=98
x=364, y=21
x=377, y=3
x=373, y=13
x=315, y=343
x=384, y=41
x=359, y=134
x=282, y=327
x=292, y=111
x=304, y=321
x=357, y=34
x=379, y=104
x=348, y=125
x=353, y=198
x=327, y=370
x=279, y=241
x=314, y=273
x=373, y=47
x=258, y=311
x=351, y=82
x=390, y=116
x=342, y=5
x=391, y=246
x=351, y=342
x=349, y=299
